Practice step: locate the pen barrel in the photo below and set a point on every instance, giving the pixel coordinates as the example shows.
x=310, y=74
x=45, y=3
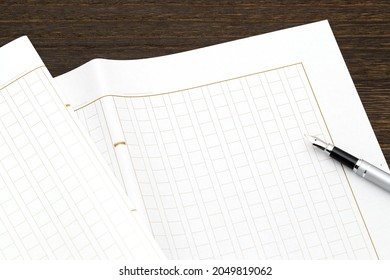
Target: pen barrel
x=373, y=174
x=343, y=157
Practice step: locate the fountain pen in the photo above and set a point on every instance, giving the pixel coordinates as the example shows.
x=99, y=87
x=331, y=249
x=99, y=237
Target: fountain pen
x=359, y=166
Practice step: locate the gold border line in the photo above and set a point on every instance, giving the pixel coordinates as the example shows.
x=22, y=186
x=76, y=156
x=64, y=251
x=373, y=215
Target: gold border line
x=175, y=91
x=21, y=76
x=243, y=76
x=342, y=166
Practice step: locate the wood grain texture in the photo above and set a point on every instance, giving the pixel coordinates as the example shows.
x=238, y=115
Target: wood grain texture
x=69, y=33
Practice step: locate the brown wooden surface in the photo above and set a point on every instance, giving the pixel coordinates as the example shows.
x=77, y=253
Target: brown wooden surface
x=68, y=33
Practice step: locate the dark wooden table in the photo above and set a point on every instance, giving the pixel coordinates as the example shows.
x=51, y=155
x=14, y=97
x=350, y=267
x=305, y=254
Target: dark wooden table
x=69, y=33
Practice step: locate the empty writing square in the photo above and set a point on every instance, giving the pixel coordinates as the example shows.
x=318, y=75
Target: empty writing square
x=197, y=225
x=266, y=115
x=295, y=82
x=234, y=84
x=297, y=200
x=281, y=98
x=270, y=126
x=327, y=221
x=292, y=244
x=307, y=226
x=291, y=71
x=274, y=82
x=282, y=218
x=261, y=102
x=277, y=205
x=352, y=229
x=181, y=109
x=332, y=234
x=238, y=96
x=212, y=208
x=257, y=210
x=219, y=100
x=357, y=242
x=337, y=247
x=223, y=112
x=253, y=80
x=302, y=213
x=299, y=94
x=242, y=108
x=217, y=220
x=176, y=98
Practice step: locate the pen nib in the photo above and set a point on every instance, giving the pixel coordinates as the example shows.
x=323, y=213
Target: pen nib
x=317, y=142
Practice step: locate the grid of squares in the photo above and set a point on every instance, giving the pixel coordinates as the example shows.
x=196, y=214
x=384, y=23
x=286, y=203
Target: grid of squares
x=153, y=198
x=93, y=121
x=343, y=217
x=55, y=204
x=225, y=173
x=274, y=112
x=253, y=168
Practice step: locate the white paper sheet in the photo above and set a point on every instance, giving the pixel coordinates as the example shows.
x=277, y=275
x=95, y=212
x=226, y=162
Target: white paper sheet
x=207, y=130
x=58, y=199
